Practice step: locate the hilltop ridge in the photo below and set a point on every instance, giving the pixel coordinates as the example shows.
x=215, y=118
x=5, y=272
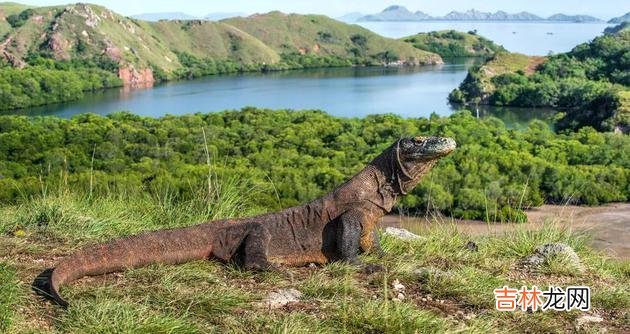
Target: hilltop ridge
x=139, y=49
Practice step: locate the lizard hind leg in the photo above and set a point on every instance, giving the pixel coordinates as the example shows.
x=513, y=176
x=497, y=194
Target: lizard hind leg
x=253, y=252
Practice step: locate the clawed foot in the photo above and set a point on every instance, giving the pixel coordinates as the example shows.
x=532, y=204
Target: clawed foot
x=261, y=266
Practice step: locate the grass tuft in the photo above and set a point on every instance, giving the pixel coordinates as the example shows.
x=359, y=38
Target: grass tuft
x=9, y=296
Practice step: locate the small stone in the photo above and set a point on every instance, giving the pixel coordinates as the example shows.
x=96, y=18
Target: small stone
x=400, y=296
x=397, y=286
x=545, y=252
x=471, y=246
x=586, y=319
x=424, y=299
x=401, y=233
x=282, y=297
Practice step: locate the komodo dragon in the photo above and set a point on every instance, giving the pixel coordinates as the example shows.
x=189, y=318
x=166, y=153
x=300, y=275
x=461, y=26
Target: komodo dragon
x=336, y=226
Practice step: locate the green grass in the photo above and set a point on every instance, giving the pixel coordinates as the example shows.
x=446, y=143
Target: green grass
x=9, y=293
x=7, y=9
x=455, y=294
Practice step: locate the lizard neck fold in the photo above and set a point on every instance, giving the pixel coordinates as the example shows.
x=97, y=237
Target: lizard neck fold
x=399, y=178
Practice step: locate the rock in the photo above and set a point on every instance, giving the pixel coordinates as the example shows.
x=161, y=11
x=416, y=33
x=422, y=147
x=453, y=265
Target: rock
x=471, y=246
x=282, y=297
x=586, y=319
x=397, y=286
x=548, y=251
x=131, y=77
x=399, y=290
x=401, y=233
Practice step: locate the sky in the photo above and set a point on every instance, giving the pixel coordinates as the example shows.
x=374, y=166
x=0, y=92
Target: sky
x=604, y=9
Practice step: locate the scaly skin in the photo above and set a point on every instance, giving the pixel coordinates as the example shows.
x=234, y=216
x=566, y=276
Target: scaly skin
x=337, y=226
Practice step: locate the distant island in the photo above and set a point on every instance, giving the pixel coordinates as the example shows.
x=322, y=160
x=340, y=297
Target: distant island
x=401, y=13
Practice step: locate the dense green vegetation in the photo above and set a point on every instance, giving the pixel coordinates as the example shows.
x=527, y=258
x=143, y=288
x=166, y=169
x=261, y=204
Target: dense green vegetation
x=48, y=82
x=588, y=84
x=453, y=44
x=292, y=157
x=194, y=67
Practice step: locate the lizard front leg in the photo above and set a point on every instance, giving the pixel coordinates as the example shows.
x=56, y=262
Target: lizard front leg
x=253, y=252
x=349, y=236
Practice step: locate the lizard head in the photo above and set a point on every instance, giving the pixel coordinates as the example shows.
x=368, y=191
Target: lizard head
x=414, y=158
x=421, y=149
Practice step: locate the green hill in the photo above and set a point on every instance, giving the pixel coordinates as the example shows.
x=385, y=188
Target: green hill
x=320, y=35
x=86, y=46
x=90, y=32
x=451, y=44
x=81, y=32
x=590, y=84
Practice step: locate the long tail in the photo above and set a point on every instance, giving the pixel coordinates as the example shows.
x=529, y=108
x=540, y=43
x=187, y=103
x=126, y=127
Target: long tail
x=167, y=247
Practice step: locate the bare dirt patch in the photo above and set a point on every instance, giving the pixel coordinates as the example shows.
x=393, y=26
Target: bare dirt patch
x=609, y=225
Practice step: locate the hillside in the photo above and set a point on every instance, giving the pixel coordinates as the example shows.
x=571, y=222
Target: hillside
x=84, y=37
x=451, y=43
x=479, y=86
x=7, y=9
x=84, y=31
x=317, y=34
x=618, y=28
x=589, y=84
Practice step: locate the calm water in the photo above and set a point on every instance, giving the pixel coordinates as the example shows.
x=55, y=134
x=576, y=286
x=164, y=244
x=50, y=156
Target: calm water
x=527, y=38
x=348, y=92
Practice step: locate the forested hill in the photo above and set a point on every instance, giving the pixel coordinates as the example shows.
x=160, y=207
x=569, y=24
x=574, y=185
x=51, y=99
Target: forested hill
x=451, y=43
x=93, y=33
x=590, y=84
